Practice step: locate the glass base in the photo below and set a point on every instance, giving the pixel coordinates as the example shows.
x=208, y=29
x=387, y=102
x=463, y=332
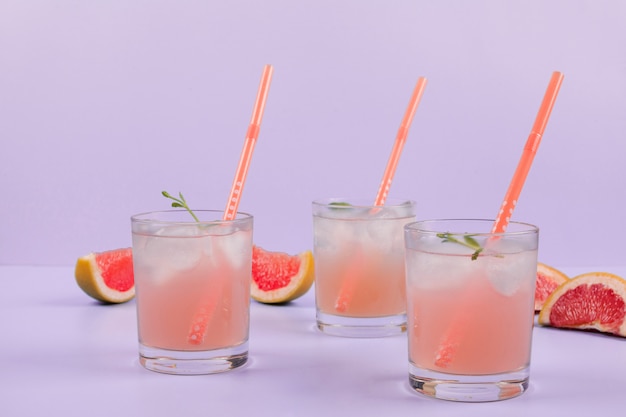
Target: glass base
x=204, y=362
x=361, y=326
x=468, y=388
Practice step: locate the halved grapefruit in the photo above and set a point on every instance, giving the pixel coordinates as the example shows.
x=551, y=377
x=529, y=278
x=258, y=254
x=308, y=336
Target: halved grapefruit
x=548, y=279
x=278, y=277
x=107, y=276
x=595, y=300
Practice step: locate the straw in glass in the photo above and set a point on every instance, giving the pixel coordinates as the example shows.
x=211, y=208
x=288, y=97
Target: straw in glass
x=248, y=147
x=203, y=316
x=398, y=145
x=526, y=160
x=348, y=287
x=450, y=342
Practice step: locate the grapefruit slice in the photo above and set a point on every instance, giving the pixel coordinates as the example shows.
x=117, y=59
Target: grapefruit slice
x=595, y=301
x=278, y=277
x=107, y=276
x=548, y=279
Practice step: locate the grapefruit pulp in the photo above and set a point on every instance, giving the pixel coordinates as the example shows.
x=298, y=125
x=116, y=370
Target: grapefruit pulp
x=548, y=279
x=595, y=301
x=278, y=277
x=107, y=276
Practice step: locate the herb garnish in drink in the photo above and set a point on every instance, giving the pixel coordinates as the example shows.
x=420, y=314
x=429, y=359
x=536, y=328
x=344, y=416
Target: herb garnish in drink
x=180, y=203
x=468, y=241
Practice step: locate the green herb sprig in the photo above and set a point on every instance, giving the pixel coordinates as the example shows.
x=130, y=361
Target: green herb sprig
x=336, y=205
x=180, y=203
x=468, y=241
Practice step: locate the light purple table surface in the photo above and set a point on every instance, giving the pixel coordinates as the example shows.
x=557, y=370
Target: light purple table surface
x=62, y=354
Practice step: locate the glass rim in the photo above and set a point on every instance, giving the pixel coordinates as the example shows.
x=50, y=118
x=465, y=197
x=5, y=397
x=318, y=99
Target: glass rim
x=359, y=202
x=150, y=217
x=526, y=228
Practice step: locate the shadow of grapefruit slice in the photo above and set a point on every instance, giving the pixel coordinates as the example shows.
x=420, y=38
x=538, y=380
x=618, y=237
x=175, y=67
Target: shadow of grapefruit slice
x=591, y=301
x=107, y=276
x=548, y=279
x=278, y=277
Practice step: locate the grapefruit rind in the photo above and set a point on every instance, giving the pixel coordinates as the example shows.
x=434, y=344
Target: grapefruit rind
x=89, y=279
x=297, y=287
x=548, y=280
x=610, y=282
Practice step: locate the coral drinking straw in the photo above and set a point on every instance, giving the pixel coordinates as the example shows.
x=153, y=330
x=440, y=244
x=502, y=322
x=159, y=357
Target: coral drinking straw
x=450, y=342
x=201, y=319
x=401, y=136
x=248, y=147
x=526, y=160
x=347, y=289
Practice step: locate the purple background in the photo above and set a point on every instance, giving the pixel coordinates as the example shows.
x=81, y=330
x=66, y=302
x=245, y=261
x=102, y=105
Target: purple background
x=103, y=104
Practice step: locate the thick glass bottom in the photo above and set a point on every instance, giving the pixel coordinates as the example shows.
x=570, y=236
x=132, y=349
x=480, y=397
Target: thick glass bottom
x=193, y=362
x=361, y=326
x=469, y=388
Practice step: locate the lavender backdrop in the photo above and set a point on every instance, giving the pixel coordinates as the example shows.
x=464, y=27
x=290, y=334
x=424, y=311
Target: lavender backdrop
x=103, y=104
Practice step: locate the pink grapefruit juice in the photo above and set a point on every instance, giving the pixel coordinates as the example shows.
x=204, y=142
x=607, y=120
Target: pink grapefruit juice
x=470, y=317
x=193, y=292
x=374, y=280
x=359, y=259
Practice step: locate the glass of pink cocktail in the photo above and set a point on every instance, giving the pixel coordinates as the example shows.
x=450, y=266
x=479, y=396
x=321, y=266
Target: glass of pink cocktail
x=359, y=266
x=193, y=290
x=470, y=308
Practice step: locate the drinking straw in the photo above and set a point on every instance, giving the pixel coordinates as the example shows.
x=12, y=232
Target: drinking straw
x=248, y=147
x=526, y=160
x=351, y=276
x=401, y=136
x=201, y=318
x=450, y=343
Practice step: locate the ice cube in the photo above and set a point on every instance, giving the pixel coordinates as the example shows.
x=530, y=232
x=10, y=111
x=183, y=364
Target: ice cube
x=180, y=248
x=509, y=272
x=182, y=231
x=392, y=212
x=384, y=235
x=436, y=271
x=234, y=247
x=330, y=234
